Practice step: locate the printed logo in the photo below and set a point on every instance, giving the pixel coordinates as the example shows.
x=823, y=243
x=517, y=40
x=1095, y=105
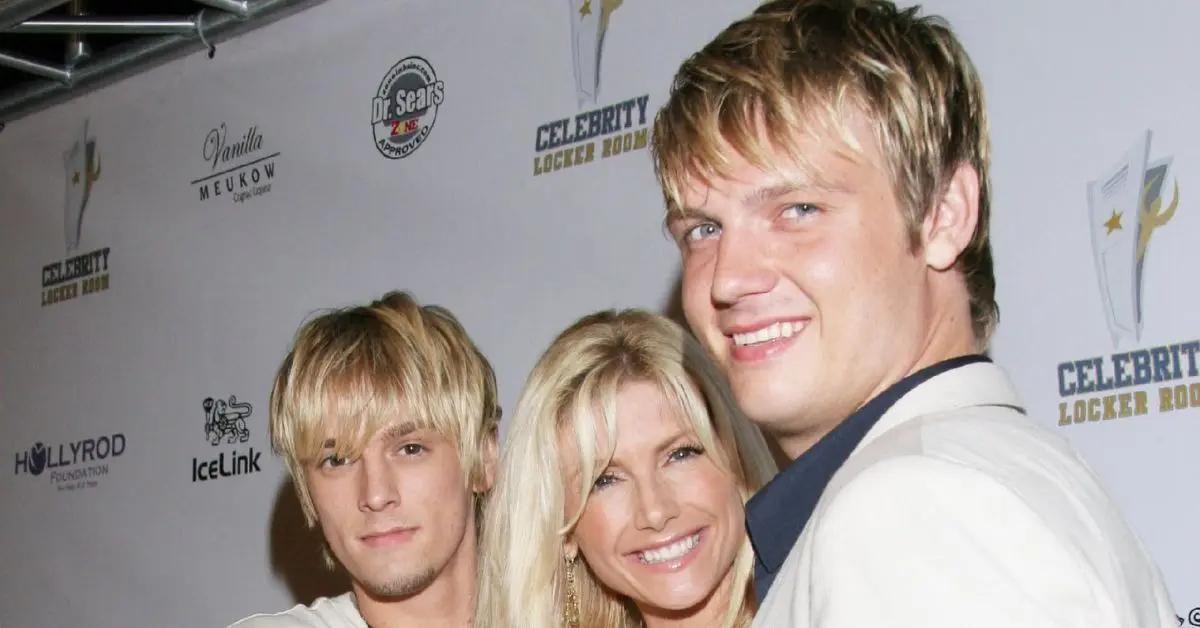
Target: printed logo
x=1193, y=618
x=1125, y=206
x=225, y=422
x=82, y=164
x=1127, y=203
x=86, y=273
x=237, y=168
x=405, y=107
x=588, y=27
x=617, y=128
x=73, y=465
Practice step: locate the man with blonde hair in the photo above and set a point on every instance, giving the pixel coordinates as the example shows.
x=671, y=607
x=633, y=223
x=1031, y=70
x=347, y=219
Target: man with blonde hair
x=825, y=169
x=386, y=416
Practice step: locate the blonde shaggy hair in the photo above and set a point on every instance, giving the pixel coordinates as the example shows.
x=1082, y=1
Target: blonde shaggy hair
x=572, y=390
x=799, y=66
x=354, y=371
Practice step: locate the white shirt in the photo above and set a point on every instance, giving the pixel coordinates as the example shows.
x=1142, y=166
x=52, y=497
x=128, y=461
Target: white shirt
x=324, y=612
x=957, y=510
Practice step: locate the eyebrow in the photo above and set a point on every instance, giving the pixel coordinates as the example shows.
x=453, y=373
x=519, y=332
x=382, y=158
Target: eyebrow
x=398, y=430
x=769, y=192
x=666, y=443
x=685, y=215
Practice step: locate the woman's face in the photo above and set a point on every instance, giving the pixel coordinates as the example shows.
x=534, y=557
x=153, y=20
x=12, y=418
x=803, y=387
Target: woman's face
x=663, y=523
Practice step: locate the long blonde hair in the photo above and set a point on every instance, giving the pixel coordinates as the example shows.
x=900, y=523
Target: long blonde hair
x=575, y=383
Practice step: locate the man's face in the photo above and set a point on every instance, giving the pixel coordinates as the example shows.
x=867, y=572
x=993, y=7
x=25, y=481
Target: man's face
x=802, y=284
x=398, y=515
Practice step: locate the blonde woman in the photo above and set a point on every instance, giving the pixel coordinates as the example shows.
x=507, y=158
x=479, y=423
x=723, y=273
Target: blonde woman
x=620, y=497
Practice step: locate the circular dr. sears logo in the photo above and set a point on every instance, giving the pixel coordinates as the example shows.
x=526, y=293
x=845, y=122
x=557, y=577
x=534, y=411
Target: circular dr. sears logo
x=405, y=107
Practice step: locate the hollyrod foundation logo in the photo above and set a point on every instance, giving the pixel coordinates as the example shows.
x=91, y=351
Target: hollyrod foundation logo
x=238, y=168
x=73, y=465
x=405, y=107
x=225, y=423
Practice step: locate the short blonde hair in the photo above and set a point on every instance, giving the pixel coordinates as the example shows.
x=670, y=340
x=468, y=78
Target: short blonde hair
x=353, y=371
x=796, y=66
x=573, y=387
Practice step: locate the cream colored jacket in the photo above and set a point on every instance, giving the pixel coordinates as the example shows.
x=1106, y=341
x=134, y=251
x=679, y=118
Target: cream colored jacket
x=958, y=511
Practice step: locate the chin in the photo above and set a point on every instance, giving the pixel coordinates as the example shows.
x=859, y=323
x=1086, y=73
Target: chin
x=682, y=599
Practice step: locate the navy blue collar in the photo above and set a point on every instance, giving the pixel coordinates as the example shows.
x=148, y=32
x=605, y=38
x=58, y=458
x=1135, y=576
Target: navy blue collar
x=777, y=514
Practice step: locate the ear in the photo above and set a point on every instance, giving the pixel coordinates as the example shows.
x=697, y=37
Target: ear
x=950, y=223
x=490, y=458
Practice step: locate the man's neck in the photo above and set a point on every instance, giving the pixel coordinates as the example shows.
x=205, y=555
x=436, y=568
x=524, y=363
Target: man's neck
x=949, y=339
x=448, y=601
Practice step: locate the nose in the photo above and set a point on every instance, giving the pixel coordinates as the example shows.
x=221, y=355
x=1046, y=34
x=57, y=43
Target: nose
x=656, y=505
x=378, y=488
x=741, y=268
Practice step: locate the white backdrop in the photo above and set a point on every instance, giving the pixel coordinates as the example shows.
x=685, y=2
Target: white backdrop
x=200, y=292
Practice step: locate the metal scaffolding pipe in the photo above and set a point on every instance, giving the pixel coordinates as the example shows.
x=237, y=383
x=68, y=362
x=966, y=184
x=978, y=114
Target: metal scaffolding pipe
x=103, y=25
x=240, y=8
x=78, y=49
x=17, y=11
x=141, y=55
x=35, y=67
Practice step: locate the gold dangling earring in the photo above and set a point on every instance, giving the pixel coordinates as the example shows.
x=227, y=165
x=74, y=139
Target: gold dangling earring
x=571, y=606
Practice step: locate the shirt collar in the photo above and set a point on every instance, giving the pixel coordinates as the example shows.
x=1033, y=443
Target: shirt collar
x=777, y=514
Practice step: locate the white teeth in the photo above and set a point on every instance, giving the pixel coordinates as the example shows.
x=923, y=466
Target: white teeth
x=768, y=333
x=671, y=552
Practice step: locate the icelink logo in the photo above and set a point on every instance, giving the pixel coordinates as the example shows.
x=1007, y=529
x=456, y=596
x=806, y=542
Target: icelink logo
x=225, y=422
x=72, y=465
x=405, y=107
x=1127, y=203
x=85, y=273
x=602, y=132
x=238, y=167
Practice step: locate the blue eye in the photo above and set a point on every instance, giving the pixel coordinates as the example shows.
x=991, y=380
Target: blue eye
x=702, y=231
x=799, y=210
x=685, y=452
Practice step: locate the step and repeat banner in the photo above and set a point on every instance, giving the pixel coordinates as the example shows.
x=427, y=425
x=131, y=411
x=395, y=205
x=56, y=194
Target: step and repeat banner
x=162, y=239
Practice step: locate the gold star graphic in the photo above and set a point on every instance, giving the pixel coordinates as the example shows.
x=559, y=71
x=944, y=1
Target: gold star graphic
x=1113, y=223
x=586, y=9
x=75, y=179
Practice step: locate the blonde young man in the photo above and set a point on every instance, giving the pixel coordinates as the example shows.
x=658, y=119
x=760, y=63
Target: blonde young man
x=386, y=415
x=824, y=164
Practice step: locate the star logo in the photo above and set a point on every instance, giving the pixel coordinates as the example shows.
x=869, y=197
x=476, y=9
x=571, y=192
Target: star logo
x=1114, y=222
x=586, y=9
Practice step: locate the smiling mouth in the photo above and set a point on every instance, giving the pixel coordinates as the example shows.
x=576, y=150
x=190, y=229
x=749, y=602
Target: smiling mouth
x=770, y=333
x=672, y=552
